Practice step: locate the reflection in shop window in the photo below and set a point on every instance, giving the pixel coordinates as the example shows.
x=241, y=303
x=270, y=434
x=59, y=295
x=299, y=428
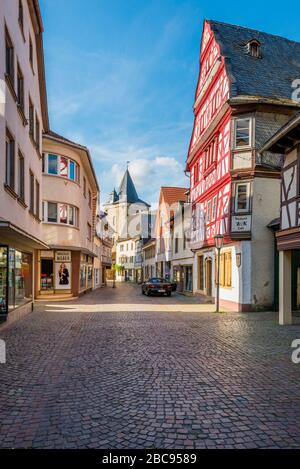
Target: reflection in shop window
x=3, y=280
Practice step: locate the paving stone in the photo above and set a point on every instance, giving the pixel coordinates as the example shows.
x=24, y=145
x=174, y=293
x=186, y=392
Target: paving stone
x=116, y=370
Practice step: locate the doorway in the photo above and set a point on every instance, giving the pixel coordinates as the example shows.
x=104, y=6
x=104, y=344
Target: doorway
x=208, y=277
x=47, y=274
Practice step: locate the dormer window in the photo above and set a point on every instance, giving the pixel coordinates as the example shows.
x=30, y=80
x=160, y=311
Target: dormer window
x=254, y=48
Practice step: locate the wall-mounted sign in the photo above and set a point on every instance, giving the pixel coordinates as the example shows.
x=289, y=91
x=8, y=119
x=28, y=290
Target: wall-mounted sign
x=47, y=254
x=240, y=223
x=63, y=256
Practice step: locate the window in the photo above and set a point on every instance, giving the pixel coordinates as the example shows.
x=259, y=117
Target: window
x=60, y=166
x=37, y=131
x=20, y=89
x=21, y=16
x=242, y=198
x=242, y=133
x=31, y=191
x=214, y=208
x=210, y=154
x=31, y=118
x=10, y=161
x=52, y=212
x=84, y=186
x=121, y=248
x=225, y=270
x=37, y=199
x=89, y=232
x=176, y=244
x=10, y=57
x=90, y=199
x=43, y=162
x=21, y=173
x=208, y=212
x=201, y=273
x=30, y=52
x=253, y=48
x=61, y=213
x=196, y=173
x=52, y=164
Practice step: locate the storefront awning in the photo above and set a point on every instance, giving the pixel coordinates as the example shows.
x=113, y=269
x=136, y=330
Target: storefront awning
x=11, y=234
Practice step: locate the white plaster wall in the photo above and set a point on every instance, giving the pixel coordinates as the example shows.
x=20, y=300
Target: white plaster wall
x=266, y=207
x=10, y=209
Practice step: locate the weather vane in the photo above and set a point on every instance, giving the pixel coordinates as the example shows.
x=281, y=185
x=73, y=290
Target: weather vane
x=127, y=163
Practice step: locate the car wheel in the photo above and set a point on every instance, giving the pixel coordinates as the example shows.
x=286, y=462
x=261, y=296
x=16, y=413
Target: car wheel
x=168, y=293
x=143, y=293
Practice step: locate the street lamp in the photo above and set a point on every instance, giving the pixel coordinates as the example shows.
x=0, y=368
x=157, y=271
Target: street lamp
x=219, y=240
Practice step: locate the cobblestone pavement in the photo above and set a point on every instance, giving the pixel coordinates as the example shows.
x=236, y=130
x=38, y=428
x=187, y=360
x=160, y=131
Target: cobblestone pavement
x=99, y=372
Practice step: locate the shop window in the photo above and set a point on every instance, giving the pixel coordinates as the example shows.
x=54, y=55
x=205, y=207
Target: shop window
x=242, y=197
x=82, y=277
x=3, y=279
x=242, y=133
x=15, y=279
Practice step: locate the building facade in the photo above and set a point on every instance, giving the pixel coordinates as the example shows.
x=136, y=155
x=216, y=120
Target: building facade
x=286, y=141
x=182, y=259
x=234, y=189
x=23, y=118
x=129, y=218
x=70, y=202
x=149, y=265
x=168, y=204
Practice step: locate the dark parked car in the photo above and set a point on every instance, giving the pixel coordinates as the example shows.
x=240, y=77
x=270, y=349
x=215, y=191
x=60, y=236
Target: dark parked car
x=157, y=286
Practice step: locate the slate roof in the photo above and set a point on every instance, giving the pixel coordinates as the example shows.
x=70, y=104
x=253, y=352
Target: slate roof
x=270, y=76
x=127, y=191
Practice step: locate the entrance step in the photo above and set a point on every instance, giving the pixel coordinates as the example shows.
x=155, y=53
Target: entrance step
x=55, y=297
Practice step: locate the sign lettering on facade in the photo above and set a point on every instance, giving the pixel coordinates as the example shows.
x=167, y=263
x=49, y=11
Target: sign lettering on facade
x=240, y=223
x=63, y=256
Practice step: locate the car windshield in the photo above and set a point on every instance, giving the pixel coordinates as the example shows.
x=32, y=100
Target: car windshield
x=156, y=280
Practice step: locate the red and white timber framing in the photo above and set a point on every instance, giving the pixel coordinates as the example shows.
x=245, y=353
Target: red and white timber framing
x=209, y=150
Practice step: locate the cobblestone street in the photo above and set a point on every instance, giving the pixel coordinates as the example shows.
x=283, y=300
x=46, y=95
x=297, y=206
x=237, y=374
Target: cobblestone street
x=114, y=369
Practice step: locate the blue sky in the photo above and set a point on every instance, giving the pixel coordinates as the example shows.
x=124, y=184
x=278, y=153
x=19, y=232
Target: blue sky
x=121, y=77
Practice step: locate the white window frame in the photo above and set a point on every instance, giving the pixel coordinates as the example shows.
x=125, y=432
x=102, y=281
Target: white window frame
x=250, y=119
x=46, y=167
x=242, y=210
x=75, y=214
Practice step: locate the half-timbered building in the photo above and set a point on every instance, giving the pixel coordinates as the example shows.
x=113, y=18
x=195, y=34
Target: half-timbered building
x=243, y=96
x=287, y=142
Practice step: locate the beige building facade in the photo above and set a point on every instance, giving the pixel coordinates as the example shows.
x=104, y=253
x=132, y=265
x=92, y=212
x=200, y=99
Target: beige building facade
x=23, y=118
x=70, y=204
